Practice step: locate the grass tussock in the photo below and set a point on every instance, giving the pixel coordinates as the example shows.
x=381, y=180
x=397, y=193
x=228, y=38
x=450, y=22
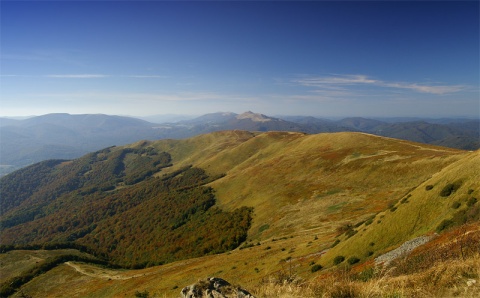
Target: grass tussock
x=339, y=284
x=448, y=266
x=449, y=279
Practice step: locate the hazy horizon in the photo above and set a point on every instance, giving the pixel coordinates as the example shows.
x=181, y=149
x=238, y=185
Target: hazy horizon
x=317, y=58
x=192, y=116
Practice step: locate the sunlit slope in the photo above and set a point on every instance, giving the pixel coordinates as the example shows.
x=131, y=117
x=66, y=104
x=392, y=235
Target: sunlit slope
x=422, y=214
x=302, y=187
x=298, y=182
x=446, y=199
x=196, y=150
x=15, y=262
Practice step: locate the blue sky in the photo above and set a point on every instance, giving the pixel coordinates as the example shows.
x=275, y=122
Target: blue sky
x=323, y=58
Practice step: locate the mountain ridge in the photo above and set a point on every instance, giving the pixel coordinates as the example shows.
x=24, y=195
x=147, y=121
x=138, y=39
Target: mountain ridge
x=66, y=136
x=243, y=158
x=303, y=193
x=256, y=117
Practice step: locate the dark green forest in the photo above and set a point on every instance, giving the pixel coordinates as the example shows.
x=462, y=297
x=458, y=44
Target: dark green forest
x=111, y=203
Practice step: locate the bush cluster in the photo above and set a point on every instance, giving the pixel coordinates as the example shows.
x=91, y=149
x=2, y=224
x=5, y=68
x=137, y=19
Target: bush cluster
x=337, y=241
x=338, y=259
x=353, y=260
x=316, y=268
x=449, y=189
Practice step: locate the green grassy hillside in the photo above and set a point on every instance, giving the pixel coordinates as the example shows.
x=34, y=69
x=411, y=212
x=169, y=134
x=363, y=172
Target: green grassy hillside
x=447, y=199
x=304, y=190
x=298, y=182
x=21, y=266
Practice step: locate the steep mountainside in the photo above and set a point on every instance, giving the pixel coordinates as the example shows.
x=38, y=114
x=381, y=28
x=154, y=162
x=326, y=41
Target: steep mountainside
x=296, y=181
x=449, y=198
x=287, y=196
x=108, y=202
x=292, y=180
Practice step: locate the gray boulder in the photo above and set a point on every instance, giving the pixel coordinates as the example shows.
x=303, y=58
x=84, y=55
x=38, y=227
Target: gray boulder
x=214, y=287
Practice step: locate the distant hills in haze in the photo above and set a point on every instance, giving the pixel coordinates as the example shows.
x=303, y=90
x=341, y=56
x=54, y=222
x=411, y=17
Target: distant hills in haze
x=66, y=136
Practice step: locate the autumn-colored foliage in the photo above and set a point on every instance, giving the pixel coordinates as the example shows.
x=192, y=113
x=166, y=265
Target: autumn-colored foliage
x=109, y=202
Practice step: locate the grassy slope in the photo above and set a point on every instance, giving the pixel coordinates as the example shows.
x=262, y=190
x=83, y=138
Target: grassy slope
x=300, y=185
x=299, y=182
x=421, y=214
x=13, y=263
x=246, y=267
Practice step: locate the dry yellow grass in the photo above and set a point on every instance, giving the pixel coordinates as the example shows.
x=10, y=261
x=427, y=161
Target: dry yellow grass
x=453, y=278
x=13, y=263
x=446, y=279
x=422, y=211
x=302, y=188
x=321, y=178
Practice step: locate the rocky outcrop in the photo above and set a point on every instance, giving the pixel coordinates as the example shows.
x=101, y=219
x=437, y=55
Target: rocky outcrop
x=214, y=287
x=404, y=249
x=255, y=117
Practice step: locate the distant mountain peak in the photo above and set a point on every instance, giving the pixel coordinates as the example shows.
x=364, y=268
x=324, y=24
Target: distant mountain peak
x=227, y=113
x=254, y=117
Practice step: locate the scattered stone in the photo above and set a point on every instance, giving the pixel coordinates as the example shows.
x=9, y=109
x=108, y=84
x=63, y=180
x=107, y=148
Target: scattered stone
x=214, y=287
x=471, y=282
x=404, y=249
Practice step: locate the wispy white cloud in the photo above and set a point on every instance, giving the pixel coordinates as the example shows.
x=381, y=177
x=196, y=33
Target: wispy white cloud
x=335, y=80
x=325, y=83
x=432, y=89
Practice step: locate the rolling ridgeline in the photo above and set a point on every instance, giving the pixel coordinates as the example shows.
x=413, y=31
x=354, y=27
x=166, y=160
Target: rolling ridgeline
x=65, y=136
x=329, y=200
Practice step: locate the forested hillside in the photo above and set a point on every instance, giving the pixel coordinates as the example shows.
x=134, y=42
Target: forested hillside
x=109, y=202
x=292, y=204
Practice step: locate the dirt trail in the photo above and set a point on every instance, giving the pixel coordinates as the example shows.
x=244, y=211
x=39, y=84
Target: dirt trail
x=433, y=149
x=102, y=273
